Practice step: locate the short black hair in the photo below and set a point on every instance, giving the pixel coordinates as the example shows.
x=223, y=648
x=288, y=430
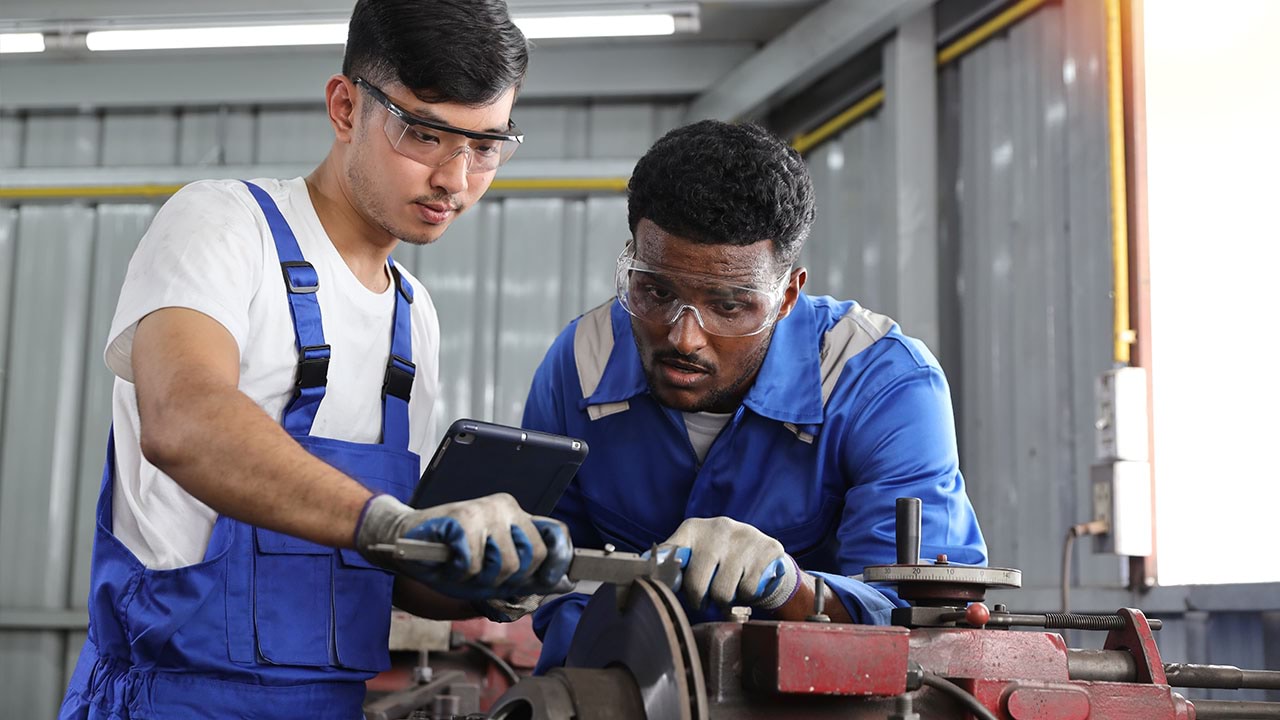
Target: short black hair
x=724, y=184
x=464, y=51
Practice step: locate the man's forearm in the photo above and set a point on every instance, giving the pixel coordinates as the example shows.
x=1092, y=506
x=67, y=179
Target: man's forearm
x=801, y=605
x=418, y=599
x=223, y=449
x=216, y=442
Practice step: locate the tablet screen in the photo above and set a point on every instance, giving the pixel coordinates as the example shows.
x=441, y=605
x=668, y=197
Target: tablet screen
x=477, y=458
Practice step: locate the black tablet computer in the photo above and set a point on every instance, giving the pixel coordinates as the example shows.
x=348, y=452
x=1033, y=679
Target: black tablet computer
x=477, y=458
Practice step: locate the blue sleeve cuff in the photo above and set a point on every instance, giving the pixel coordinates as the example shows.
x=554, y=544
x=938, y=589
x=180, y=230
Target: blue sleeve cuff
x=867, y=604
x=554, y=624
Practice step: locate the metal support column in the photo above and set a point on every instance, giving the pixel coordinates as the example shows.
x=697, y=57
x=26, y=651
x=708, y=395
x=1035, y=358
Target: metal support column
x=911, y=107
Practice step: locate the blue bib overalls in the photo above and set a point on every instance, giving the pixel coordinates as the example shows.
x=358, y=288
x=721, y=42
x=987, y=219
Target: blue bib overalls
x=267, y=625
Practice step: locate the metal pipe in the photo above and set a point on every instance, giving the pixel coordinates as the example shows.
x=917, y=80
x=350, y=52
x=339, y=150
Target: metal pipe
x=1221, y=676
x=1101, y=666
x=1120, y=666
x=1235, y=710
x=1124, y=336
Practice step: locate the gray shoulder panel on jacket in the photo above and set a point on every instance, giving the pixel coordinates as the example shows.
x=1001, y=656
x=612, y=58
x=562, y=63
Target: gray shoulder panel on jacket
x=592, y=345
x=858, y=330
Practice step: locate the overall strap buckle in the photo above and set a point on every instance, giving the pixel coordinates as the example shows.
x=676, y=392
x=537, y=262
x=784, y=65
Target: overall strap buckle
x=398, y=381
x=313, y=366
x=300, y=277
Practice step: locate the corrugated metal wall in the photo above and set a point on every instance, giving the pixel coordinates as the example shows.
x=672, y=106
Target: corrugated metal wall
x=1025, y=267
x=505, y=279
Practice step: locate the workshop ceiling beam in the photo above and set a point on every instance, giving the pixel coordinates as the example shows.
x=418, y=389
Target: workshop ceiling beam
x=820, y=41
x=297, y=76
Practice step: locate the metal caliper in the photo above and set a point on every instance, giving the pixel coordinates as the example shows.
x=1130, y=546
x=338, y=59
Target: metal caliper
x=660, y=564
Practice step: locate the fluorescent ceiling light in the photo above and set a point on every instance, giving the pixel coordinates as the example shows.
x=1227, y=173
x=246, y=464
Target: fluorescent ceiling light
x=187, y=38
x=217, y=37
x=577, y=26
x=21, y=42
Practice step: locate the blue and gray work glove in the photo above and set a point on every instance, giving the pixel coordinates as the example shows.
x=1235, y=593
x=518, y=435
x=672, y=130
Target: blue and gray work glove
x=501, y=554
x=732, y=563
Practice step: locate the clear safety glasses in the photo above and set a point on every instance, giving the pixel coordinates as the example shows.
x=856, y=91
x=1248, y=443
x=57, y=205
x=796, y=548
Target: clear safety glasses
x=433, y=144
x=658, y=295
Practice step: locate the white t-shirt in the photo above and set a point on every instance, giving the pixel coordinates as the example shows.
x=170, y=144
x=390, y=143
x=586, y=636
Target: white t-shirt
x=209, y=249
x=703, y=429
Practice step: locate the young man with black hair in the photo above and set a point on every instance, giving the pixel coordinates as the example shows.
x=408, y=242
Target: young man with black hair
x=276, y=374
x=765, y=431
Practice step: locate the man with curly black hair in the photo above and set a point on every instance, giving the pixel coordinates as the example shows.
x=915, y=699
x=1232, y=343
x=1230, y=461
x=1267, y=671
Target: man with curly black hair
x=765, y=432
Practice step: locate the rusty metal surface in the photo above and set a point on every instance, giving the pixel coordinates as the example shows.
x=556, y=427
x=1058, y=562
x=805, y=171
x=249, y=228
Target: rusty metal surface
x=731, y=696
x=991, y=654
x=813, y=658
x=1137, y=638
x=760, y=670
x=1032, y=702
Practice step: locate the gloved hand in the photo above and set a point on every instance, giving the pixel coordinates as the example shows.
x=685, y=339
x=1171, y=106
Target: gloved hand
x=499, y=550
x=733, y=563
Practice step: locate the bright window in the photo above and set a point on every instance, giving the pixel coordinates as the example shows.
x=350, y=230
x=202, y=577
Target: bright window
x=1213, y=175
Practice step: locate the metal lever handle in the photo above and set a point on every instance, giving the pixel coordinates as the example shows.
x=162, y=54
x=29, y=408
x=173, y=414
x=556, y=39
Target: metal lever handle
x=907, y=530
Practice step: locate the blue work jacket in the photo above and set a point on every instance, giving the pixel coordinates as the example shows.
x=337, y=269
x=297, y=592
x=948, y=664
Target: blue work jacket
x=846, y=415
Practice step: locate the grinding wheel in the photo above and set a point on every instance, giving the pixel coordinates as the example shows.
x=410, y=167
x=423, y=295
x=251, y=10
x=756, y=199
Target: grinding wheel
x=651, y=638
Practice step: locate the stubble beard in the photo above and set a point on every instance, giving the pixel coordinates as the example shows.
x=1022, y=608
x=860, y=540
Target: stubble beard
x=722, y=398
x=365, y=194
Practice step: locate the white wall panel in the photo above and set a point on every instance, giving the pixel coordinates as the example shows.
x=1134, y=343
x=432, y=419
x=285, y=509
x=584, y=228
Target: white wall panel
x=606, y=234
x=552, y=132
x=11, y=128
x=39, y=447
x=8, y=242
x=531, y=265
x=623, y=130
x=130, y=139
x=216, y=137
x=286, y=136
x=61, y=140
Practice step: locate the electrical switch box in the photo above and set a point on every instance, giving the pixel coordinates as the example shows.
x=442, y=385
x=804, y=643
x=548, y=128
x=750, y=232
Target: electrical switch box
x=1121, y=415
x=1122, y=499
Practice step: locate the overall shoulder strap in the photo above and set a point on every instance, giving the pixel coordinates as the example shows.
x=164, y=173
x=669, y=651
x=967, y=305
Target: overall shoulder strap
x=301, y=281
x=397, y=384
